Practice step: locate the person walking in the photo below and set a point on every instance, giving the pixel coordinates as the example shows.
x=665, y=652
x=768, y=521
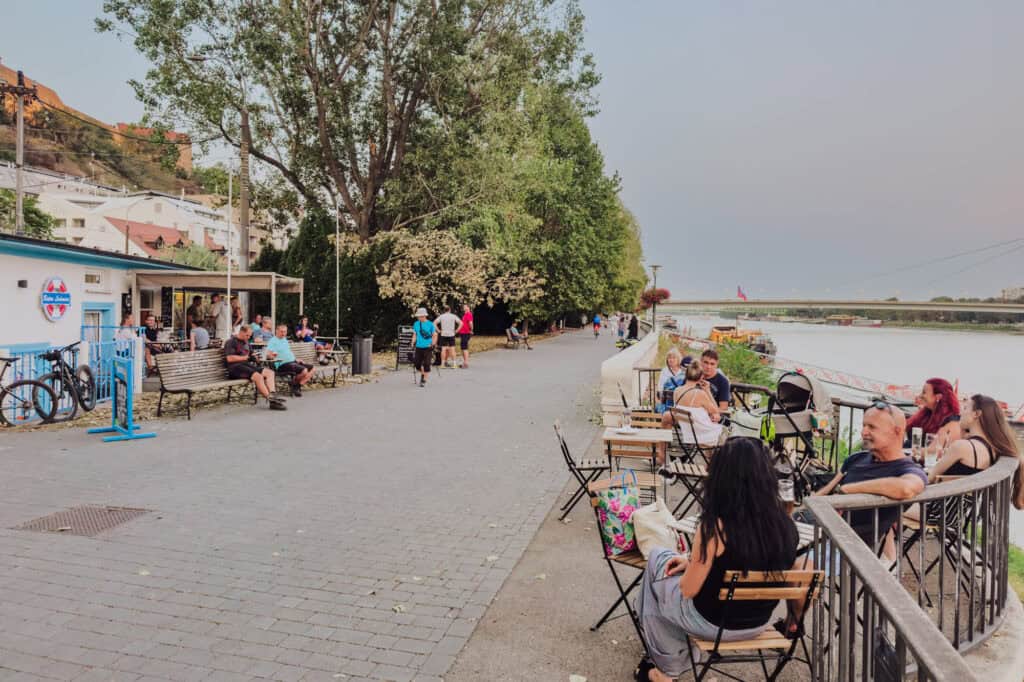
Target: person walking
x=447, y=323
x=465, y=334
x=426, y=338
x=597, y=324
x=221, y=312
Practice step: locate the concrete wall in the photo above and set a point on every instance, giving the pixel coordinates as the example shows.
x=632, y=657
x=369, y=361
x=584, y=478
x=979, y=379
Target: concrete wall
x=619, y=370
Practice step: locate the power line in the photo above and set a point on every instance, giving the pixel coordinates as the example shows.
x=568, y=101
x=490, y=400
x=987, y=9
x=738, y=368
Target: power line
x=125, y=135
x=981, y=262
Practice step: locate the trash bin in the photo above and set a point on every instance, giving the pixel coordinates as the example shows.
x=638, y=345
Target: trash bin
x=362, y=348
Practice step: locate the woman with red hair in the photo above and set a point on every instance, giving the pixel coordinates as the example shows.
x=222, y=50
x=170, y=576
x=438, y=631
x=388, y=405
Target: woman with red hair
x=939, y=413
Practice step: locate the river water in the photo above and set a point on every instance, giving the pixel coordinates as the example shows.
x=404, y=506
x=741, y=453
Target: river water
x=983, y=362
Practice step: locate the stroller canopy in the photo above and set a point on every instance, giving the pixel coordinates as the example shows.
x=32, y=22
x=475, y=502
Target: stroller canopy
x=797, y=392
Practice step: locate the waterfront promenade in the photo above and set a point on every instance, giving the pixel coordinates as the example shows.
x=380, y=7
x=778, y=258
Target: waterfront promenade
x=359, y=535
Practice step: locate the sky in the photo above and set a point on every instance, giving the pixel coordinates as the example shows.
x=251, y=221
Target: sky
x=798, y=148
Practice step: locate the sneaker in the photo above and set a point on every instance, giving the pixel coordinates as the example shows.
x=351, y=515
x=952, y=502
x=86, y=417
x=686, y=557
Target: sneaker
x=296, y=391
x=423, y=381
x=277, y=404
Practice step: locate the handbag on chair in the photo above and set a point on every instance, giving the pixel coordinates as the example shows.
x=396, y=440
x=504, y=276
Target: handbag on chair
x=615, y=507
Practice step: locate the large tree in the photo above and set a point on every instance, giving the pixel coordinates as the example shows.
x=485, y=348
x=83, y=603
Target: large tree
x=349, y=98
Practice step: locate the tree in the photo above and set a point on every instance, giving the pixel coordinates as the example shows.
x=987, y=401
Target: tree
x=194, y=256
x=342, y=95
x=38, y=223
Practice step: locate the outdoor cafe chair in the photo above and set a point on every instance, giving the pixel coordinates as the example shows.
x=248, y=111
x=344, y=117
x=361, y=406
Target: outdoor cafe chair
x=692, y=476
x=585, y=471
x=771, y=646
x=627, y=560
x=682, y=422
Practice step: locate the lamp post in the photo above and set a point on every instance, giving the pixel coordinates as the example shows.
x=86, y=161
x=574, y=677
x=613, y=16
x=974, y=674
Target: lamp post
x=654, y=305
x=337, y=273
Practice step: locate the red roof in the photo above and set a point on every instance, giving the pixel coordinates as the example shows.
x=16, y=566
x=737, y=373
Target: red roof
x=148, y=237
x=212, y=245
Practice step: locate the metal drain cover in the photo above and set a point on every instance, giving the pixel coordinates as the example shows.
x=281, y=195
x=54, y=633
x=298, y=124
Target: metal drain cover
x=88, y=520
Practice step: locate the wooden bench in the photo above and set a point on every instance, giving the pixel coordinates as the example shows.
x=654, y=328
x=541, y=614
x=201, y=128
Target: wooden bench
x=195, y=371
x=305, y=352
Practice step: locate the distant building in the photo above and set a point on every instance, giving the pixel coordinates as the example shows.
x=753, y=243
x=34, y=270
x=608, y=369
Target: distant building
x=1013, y=293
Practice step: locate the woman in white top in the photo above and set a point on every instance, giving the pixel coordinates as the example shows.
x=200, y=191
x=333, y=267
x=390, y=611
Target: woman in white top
x=672, y=377
x=696, y=402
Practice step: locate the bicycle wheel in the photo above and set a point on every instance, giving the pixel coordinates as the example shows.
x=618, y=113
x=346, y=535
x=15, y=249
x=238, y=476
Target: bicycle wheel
x=23, y=402
x=66, y=401
x=86, y=387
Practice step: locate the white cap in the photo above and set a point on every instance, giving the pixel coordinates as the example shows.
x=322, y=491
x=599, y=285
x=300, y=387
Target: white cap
x=420, y=312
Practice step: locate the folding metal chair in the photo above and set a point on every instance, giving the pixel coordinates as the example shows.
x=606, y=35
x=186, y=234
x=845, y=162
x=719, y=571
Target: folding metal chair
x=770, y=646
x=633, y=559
x=584, y=471
x=692, y=476
x=681, y=419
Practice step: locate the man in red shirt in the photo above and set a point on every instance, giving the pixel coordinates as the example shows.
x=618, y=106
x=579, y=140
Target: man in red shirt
x=465, y=332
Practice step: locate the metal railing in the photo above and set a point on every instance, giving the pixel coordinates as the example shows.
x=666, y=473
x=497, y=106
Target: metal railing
x=105, y=342
x=944, y=593
x=28, y=365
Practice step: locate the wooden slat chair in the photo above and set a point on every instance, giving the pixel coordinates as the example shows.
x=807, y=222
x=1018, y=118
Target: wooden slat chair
x=193, y=372
x=692, y=476
x=645, y=420
x=644, y=454
x=305, y=352
x=585, y=471
x=686, y=437
x=633, y=559
x=770, y=646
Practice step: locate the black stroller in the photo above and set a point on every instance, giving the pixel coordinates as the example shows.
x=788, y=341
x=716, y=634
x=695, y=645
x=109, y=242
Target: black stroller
x=800, y=407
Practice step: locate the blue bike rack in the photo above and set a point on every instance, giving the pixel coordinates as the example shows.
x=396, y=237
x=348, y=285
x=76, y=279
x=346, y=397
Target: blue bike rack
x=122, y=421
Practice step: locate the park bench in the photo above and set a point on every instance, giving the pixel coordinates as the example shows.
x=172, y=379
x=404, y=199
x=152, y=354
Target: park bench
x=193, y=372
x=511, y=341
x=305, y=352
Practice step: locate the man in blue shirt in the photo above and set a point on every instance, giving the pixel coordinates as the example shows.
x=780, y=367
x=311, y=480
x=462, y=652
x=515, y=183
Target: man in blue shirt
x=425, y=334
x=882, y=469
x=281, y=353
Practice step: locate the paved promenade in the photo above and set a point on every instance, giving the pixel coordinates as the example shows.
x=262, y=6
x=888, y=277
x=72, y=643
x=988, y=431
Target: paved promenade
x=360, y=535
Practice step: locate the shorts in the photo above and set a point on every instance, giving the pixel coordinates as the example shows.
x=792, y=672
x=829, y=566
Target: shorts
x=422, y=359
x=448, y=341
x=464, y=341
x=243, y=370
x=293, y=368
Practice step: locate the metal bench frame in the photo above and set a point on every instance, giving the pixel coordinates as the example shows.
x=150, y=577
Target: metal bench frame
x=207, y=376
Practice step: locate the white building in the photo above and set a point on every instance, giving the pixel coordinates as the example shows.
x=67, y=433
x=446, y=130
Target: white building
x=1012, y=293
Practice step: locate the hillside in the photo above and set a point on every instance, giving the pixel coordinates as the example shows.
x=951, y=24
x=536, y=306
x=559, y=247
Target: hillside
x=65, y=140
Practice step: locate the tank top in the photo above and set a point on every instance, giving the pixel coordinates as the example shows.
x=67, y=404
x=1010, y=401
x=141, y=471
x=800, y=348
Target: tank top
x=961, y=469
x=742, y=615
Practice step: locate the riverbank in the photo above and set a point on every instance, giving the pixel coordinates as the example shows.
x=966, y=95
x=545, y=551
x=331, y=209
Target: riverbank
x=1012, y=329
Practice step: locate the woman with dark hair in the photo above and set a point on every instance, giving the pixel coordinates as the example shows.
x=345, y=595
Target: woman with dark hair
x=939, y=413
x=744, y=526
x=988, y=437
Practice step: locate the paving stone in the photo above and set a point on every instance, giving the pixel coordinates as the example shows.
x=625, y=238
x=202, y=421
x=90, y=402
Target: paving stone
x=265, y=559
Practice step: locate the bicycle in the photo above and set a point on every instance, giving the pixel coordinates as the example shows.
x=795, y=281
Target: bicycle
x=77, y=385
x=24, y=399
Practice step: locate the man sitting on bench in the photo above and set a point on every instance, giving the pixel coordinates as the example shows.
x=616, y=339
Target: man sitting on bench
x=514, y=335
x=281, y=353
x=243, y=365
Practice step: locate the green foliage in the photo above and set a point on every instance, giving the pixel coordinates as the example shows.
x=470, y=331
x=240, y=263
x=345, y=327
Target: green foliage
x=1016, y=561
x=194, y=256
x=743, y=366
x=38, y=223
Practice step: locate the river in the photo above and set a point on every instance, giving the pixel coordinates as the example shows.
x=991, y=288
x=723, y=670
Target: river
x=983, y=362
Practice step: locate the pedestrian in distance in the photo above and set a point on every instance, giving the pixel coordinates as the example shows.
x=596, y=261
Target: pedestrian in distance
x=425, y=334
x=447, y=324
x=465, y=334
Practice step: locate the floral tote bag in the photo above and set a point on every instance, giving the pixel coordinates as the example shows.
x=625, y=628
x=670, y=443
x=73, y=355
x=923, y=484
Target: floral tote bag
x=615, y=507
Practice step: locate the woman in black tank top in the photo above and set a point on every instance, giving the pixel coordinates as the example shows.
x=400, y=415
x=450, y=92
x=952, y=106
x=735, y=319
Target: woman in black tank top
x=744, y=526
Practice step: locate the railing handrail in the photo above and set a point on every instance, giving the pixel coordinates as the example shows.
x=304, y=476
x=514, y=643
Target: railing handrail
x=931, y=649
x=999, y=471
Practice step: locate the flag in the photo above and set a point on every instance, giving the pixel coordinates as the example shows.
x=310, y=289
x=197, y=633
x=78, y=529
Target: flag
x=739, y=293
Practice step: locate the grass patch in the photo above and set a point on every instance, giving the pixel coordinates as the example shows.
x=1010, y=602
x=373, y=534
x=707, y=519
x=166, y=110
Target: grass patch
x=1017, y=569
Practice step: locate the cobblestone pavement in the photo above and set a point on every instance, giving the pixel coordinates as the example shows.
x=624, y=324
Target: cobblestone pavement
x=359, y=535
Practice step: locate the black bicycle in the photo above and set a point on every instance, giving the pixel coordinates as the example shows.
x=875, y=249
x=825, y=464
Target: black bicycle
x=25, y=400
x=72, y=386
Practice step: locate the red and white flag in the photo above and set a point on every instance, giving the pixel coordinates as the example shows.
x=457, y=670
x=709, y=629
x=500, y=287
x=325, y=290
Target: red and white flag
x=739, y=293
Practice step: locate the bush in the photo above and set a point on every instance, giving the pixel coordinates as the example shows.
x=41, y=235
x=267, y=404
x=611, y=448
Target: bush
x=743, y=366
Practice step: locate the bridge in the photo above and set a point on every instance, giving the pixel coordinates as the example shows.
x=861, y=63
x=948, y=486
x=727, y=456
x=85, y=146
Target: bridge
x=791, y=304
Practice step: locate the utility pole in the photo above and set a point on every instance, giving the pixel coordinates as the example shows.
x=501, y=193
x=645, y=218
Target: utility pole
x=20, y=92
x=243, y=191
x=654, y=305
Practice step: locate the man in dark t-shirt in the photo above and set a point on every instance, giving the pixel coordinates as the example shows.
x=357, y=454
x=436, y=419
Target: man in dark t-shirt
x=883, y=469
x=242, y=365
x=714, y=380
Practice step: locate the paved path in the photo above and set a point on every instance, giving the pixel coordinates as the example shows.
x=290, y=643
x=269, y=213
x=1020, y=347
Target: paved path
x=360, y=535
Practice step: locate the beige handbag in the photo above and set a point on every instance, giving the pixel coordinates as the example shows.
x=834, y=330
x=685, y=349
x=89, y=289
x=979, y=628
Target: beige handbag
x=651, y=529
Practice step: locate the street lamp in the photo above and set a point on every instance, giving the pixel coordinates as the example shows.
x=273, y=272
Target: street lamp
x=654, y=300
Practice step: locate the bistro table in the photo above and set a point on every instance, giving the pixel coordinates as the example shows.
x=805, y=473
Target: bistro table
x=688, y=526
x=637, y=444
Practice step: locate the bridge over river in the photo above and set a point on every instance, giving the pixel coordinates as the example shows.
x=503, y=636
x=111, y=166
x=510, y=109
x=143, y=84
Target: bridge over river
x=793, y=303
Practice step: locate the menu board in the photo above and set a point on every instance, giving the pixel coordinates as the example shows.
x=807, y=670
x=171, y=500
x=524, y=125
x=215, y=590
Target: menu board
x=166, y=307
x=406, y=346
x=122, y=413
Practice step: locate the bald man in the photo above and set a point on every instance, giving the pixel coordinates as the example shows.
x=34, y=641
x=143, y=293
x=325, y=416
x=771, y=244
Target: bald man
x=882, y=469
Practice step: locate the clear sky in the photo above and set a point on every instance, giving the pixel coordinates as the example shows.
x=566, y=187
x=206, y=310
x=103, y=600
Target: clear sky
x=794, y=148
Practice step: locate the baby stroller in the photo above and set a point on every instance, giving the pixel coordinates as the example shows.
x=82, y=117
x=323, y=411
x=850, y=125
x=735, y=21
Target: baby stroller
x=799, y=407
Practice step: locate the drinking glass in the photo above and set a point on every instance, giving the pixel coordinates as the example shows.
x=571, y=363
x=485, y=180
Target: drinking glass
x=930, y=454
x=627, y=419
x=786, y=490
